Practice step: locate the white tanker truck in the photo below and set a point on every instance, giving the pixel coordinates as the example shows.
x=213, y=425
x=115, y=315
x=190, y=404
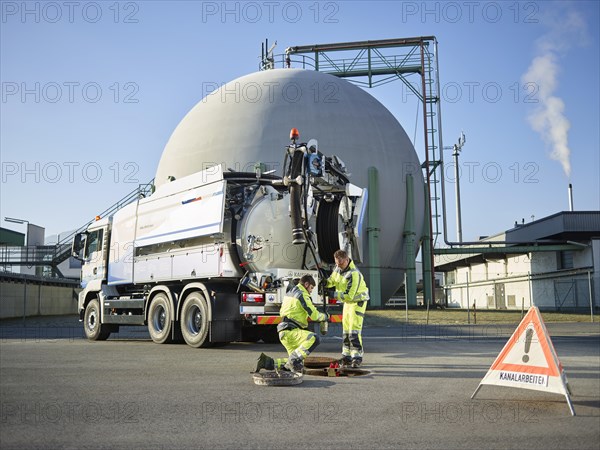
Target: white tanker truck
x=207, y=258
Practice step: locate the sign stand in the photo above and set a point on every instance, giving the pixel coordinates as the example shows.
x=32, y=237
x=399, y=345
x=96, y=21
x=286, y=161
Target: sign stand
x=529, y=361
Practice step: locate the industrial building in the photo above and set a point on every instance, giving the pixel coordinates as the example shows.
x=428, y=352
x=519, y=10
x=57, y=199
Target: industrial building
x=538, y=274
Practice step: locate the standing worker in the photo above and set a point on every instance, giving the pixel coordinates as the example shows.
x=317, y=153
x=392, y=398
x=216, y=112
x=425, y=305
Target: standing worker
x=299, y=342
x=351, y=289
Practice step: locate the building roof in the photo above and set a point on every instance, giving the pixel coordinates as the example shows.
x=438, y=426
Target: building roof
x=11, y=237
x=561, y=228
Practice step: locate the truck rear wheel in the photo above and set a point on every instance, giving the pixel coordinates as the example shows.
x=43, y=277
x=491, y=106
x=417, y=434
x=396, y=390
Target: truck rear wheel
x=93, y=328
x=194, y=320
x=160, y=319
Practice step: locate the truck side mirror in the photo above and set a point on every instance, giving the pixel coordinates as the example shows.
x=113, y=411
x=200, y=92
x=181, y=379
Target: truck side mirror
x=78, y=246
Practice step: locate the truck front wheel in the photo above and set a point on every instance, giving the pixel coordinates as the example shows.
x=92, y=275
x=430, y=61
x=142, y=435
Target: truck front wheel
x=93, y=328
x=160, y=319
x=194, y=320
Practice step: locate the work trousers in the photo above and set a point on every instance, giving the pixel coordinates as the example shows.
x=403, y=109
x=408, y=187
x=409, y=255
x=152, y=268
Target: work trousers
x=299, y=343
x=352, y=323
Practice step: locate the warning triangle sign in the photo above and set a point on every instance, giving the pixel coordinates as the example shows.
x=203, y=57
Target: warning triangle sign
x=529, y=360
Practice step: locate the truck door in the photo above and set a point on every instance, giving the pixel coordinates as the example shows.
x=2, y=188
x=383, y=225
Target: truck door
x=94, y=257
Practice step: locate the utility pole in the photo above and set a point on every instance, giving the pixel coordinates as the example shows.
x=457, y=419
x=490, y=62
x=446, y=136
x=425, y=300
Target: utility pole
x=457, y=148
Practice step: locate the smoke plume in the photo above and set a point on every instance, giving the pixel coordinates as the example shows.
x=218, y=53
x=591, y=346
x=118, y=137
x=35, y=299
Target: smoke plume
x=548, y=118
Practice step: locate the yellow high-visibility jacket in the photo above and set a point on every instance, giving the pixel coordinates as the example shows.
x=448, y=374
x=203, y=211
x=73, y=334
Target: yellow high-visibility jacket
x=349, y=284
x=297, y=307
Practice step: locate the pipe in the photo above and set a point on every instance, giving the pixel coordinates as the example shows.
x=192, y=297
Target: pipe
x=359, y=45
x=457, y=187
x=409, y=244
x=428, y=283
x=295, y=194
x=373, y=233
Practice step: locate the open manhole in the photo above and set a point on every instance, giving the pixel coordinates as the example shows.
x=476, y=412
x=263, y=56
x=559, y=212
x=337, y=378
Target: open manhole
x=318, y=362
x=275, y=378
x=337, y=372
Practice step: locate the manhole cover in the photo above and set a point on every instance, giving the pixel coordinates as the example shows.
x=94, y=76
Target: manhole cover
x=318, y=362
x=336, y=372
x=275, y=378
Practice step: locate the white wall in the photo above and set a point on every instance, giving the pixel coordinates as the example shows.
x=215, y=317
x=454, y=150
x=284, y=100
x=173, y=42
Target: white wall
x=547, y=287
x=17, y=299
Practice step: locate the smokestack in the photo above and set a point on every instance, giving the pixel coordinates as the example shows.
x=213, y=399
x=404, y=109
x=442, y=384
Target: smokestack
x=570, y=197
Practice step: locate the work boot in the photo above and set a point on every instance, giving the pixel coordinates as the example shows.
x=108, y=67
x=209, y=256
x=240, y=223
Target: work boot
x=345, y=361
x=356, y=362
x=295, y=367
x=264, y=362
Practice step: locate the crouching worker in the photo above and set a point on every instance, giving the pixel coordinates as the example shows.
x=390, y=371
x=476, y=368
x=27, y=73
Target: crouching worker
x=299, y=342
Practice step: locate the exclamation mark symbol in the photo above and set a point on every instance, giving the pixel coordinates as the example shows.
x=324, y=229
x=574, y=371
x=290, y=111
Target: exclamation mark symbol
x=528, y=336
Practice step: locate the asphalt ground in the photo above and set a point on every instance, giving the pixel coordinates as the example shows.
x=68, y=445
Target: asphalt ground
x=58, y=390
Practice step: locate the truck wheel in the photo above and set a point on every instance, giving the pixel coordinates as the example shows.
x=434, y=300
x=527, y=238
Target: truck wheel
x=94, y=330
x=194, y=320
x=159, y=319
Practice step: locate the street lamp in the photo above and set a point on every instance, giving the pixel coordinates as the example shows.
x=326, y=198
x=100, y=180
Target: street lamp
x=20, y=221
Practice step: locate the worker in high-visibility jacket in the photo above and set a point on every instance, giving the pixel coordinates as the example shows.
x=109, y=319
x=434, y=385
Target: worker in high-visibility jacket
x=351, y=289
x=299, y=342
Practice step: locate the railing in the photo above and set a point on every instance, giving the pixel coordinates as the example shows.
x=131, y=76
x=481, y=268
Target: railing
x=53, y=255
x=375, y=63
x=32, y=255
x=142, y=190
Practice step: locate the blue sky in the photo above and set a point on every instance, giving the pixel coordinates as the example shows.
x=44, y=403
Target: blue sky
x=91, y=92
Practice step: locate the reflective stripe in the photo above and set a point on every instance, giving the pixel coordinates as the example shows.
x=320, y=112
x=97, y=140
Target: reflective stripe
x=359, y=314
x=293, y=322
x=297, y=293
x=268, y=320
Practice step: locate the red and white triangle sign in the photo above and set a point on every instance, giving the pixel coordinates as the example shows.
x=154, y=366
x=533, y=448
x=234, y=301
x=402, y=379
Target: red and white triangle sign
x=529, y=361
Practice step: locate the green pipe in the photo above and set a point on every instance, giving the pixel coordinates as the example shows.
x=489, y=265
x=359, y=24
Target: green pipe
x=373, y=237
x=409, y=245
x=426, y=254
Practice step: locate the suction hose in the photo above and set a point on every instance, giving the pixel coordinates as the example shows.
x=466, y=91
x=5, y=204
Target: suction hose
x=295, y=199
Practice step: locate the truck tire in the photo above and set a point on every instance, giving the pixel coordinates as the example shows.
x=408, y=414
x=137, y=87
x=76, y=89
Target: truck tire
x=93, y=328
x=194, y=320
x=160, y=319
